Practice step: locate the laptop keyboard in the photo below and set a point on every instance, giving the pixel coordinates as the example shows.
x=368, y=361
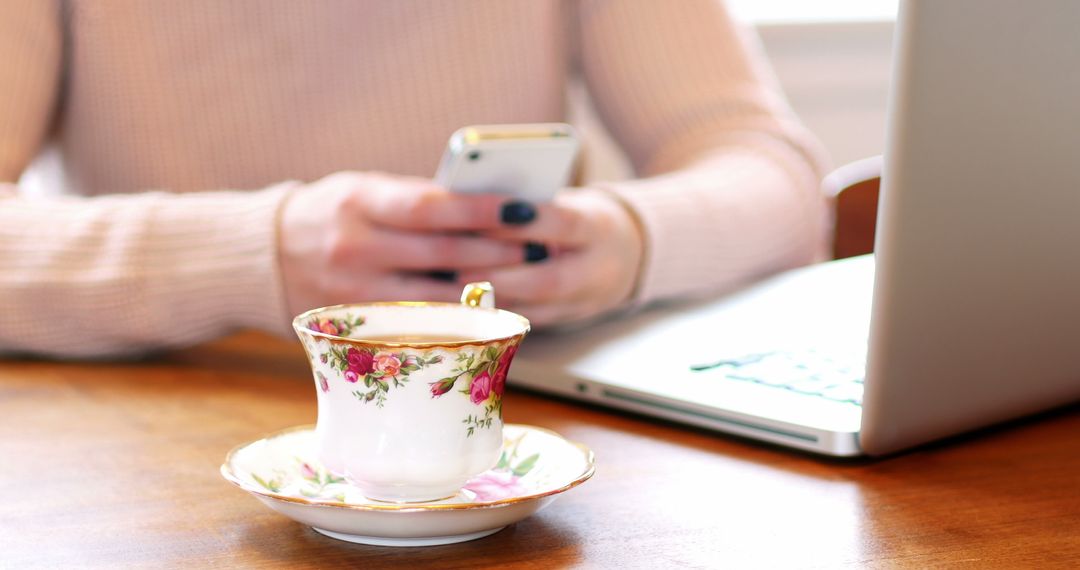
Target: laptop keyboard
x=805, y=372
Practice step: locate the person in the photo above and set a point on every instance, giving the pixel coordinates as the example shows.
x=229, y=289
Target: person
x=227, y=165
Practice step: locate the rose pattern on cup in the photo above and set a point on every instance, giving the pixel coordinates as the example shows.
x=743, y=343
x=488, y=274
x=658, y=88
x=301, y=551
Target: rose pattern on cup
x=482, y=373
x=485, y=374
x=378, y=370
x=337, y=327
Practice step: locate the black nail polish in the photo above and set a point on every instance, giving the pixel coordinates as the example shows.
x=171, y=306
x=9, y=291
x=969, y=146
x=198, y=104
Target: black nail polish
x=517, y=213
x=535, y=252
x=448, y=276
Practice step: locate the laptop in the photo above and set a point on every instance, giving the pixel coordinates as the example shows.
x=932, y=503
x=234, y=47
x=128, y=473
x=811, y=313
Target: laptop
x=968, y=313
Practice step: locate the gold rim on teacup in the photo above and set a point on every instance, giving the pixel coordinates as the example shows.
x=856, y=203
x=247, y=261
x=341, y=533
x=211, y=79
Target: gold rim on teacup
x=475, y=297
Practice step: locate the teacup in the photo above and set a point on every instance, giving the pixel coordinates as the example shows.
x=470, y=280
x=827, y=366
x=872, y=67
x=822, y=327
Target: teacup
x=410, y=394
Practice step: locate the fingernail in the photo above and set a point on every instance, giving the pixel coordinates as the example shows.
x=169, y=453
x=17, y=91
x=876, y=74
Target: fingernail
x=535, y=252
x=517, y=213
x=448, y=276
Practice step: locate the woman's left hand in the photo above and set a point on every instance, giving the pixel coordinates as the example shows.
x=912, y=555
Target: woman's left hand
x=594, y=250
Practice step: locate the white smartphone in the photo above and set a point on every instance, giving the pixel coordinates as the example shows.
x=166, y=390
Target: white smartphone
x=530, y=161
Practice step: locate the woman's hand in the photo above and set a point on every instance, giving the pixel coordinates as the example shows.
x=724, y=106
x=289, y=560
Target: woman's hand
x=353, y=237
x=594, y=253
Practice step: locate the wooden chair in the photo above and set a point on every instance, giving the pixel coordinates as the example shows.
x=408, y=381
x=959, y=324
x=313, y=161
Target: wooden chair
x=854, y=189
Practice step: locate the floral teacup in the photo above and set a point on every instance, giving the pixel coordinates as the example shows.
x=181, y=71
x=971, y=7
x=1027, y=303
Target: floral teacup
x=410, y=394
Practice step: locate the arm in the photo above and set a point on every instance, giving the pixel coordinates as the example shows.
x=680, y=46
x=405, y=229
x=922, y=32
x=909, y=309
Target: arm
x=121, y=275
x=124, y=274
x=730, y=187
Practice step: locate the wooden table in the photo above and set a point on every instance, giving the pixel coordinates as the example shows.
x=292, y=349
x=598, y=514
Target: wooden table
x=116, y=465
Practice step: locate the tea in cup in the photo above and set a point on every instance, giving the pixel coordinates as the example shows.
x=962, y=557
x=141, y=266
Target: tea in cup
x=410, y=394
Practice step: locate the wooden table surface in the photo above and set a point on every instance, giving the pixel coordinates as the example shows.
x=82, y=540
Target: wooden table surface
x=116, y=465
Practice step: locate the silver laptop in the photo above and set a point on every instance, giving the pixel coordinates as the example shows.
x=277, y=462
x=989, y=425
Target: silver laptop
x=970, y=313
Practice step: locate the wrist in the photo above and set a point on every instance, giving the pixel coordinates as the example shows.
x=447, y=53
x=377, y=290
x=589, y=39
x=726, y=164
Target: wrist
x=282, y=261
x=635, y=230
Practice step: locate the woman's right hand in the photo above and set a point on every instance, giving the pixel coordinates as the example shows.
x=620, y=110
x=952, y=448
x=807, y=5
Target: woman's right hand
x=353, y=237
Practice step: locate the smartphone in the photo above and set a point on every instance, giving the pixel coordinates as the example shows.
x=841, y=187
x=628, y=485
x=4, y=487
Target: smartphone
x=531, y=162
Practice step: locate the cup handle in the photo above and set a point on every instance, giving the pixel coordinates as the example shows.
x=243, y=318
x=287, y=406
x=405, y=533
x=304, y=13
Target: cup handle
x=479, y=294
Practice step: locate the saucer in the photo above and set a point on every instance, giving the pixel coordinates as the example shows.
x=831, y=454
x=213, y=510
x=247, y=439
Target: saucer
x=535, y=467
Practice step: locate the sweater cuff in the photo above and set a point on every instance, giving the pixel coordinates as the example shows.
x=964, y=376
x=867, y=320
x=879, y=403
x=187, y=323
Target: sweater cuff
x=128, y=273
x=736, y=215
x=246, y=289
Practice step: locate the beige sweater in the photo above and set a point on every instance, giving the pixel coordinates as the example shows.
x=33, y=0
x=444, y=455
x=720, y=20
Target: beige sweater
x=179, y=124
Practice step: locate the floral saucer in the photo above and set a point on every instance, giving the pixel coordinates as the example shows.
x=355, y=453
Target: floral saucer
x=536, y=466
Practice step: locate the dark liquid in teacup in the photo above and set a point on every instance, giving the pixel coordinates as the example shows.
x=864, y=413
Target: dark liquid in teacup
x=415, y=338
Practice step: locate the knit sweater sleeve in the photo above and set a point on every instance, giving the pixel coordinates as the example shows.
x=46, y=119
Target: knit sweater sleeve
x=116, y=275
x=729, y=179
